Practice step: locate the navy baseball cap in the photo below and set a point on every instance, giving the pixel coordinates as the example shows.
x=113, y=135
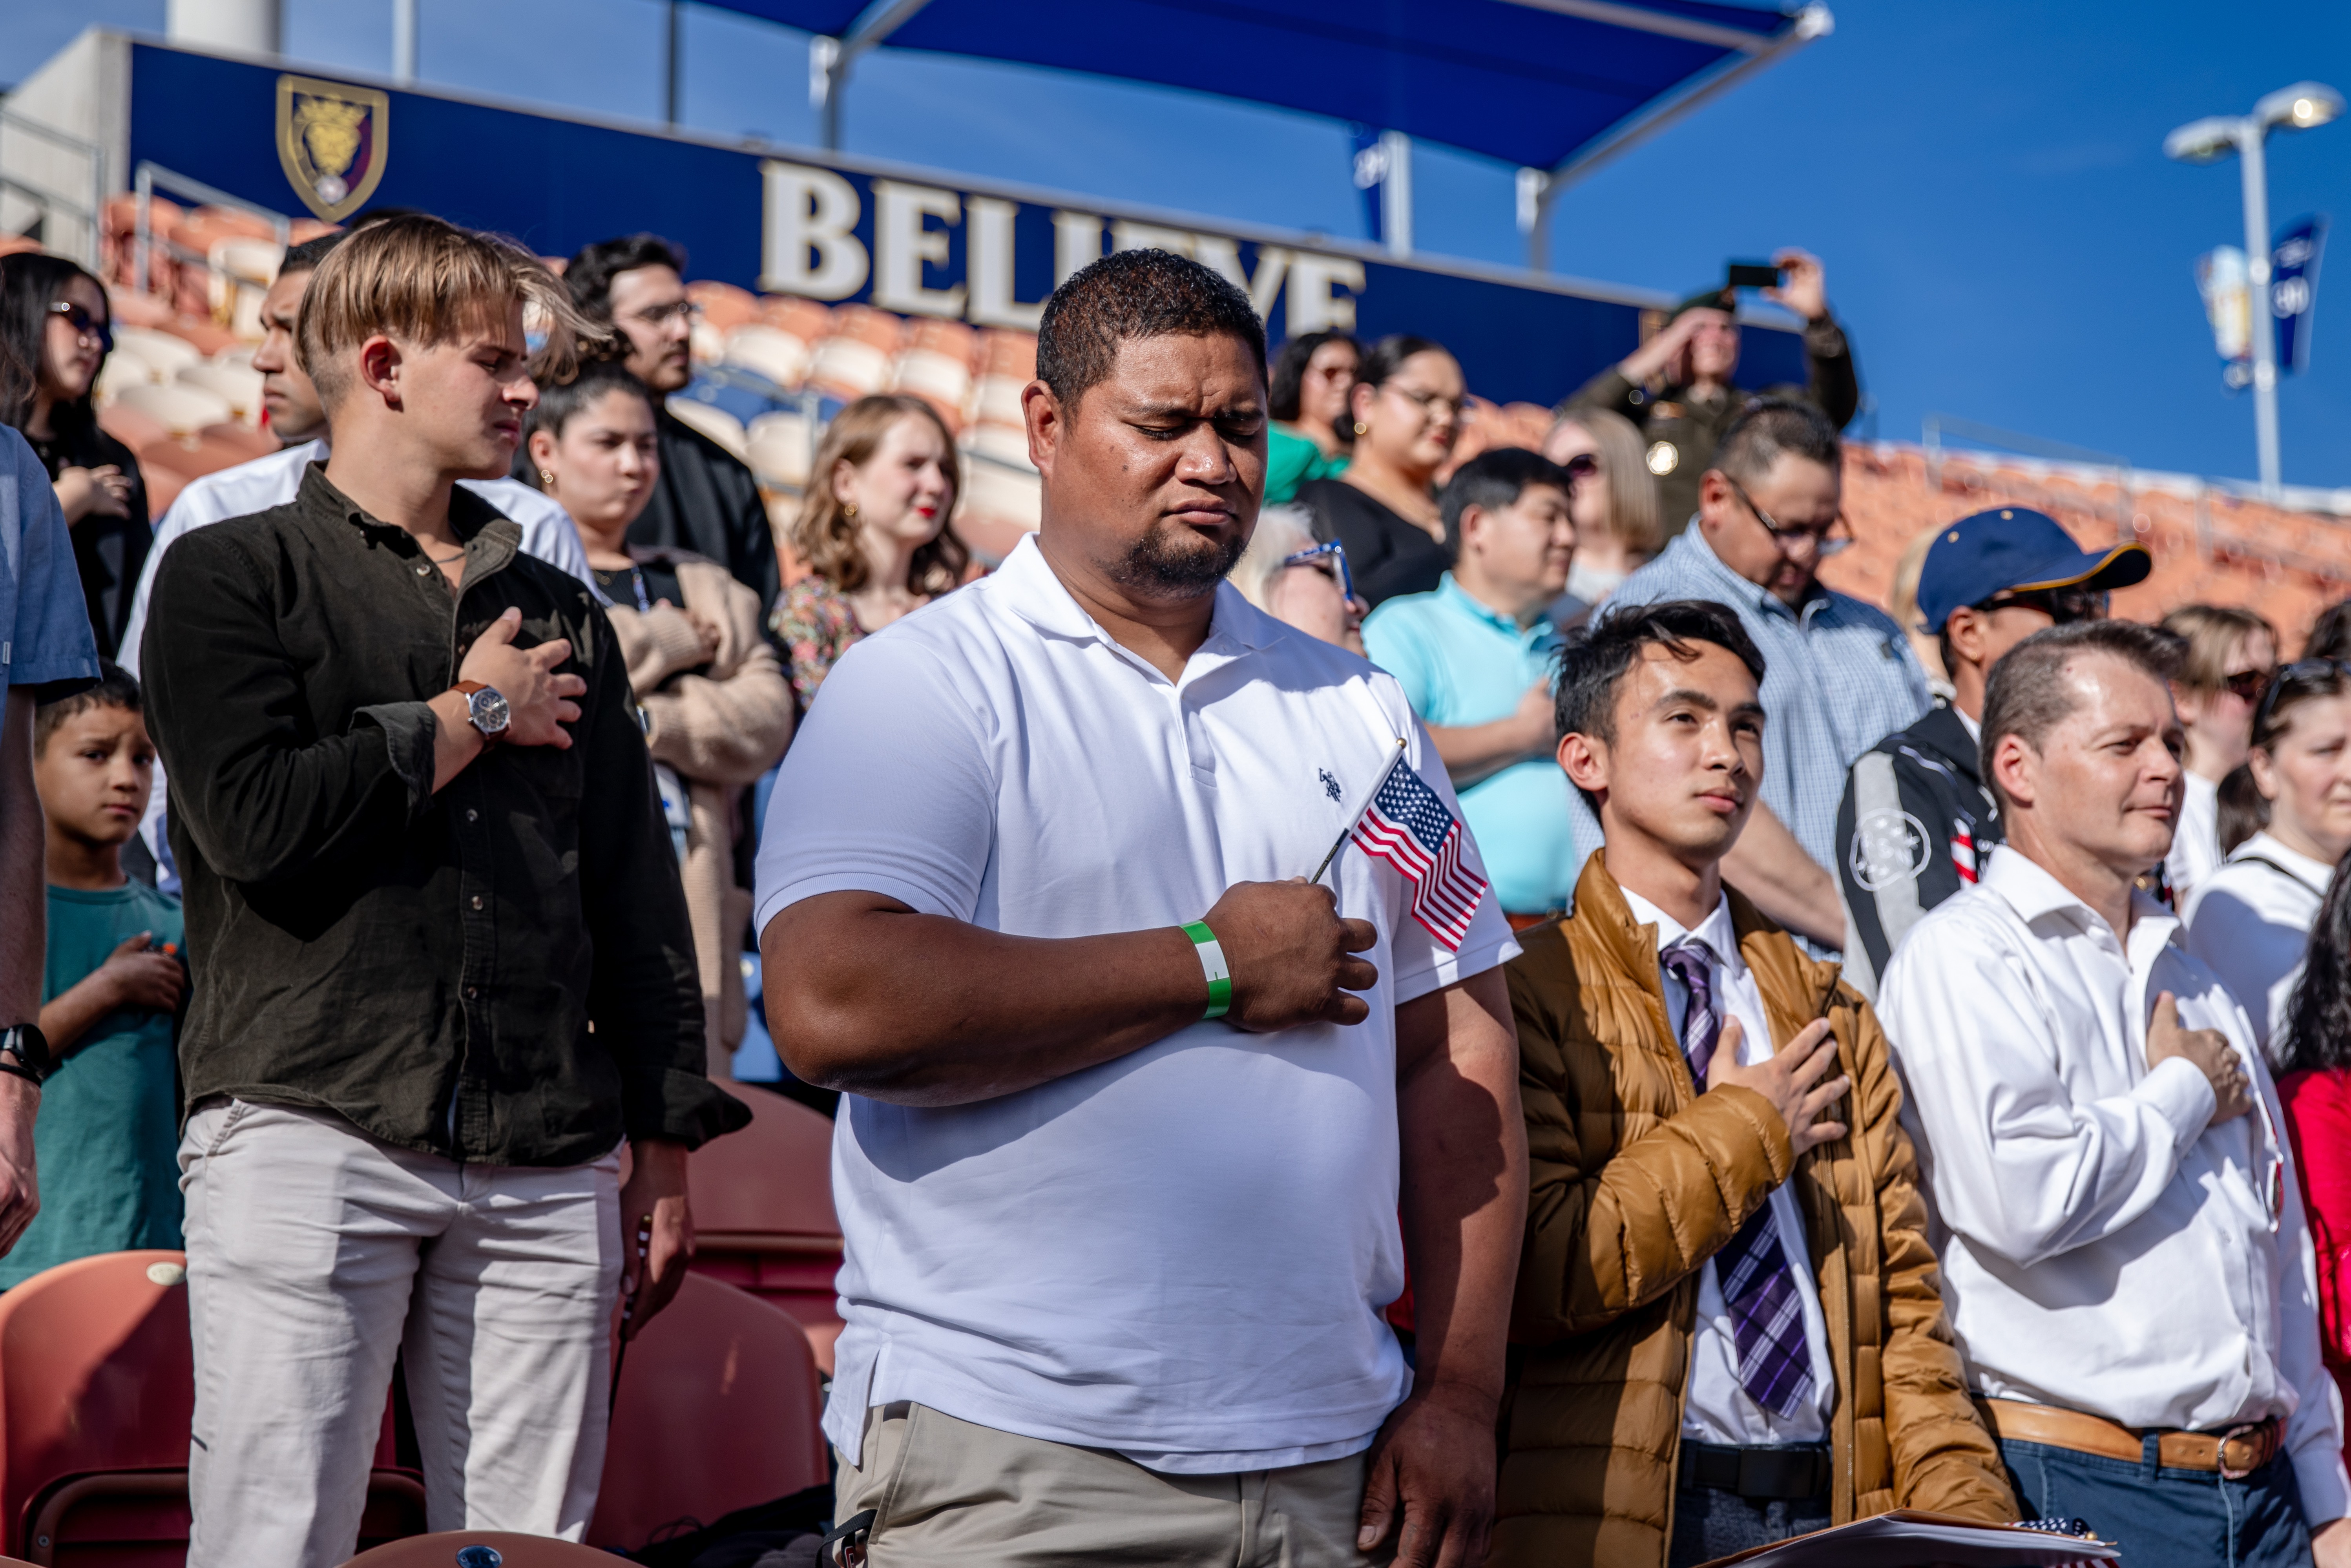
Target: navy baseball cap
x=2016, y=550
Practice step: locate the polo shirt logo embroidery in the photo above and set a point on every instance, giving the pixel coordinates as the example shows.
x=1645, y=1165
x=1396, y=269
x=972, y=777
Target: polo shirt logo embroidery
x=1329, y=785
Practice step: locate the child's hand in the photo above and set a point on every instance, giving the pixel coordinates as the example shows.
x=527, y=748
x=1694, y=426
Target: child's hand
x=143, y=977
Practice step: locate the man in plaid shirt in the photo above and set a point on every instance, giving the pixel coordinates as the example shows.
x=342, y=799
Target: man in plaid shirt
x=1840, y=674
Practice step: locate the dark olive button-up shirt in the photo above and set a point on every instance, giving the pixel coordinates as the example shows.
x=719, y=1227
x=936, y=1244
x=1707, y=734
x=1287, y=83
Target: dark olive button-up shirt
x=501, y=972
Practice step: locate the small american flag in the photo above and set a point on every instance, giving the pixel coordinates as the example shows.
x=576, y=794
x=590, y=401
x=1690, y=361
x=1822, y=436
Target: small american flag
x=1407, y=826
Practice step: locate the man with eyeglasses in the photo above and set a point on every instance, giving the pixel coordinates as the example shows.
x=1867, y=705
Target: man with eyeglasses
x=1475, y=661
x=1840, y=673
x=1918, y=823
x=707, y=501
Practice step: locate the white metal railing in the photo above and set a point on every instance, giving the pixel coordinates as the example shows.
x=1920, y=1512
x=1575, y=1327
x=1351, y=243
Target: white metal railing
x=151, y=174
x=57, y=201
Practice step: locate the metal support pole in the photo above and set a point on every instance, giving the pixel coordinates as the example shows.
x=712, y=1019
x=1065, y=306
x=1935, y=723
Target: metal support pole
x=2250, y=135
x=672, y=90
x=403, y=40
x=827, y=76
x=146, y=230
x=1396, y=192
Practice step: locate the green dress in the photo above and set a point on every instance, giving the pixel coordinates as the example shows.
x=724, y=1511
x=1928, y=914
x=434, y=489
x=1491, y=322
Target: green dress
x=107, y=1141
x=1290, y=461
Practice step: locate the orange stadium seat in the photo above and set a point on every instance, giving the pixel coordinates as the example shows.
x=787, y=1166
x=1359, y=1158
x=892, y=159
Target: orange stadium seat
x=717, y=1411
x=512, y=1550
x=763, y=1217
x=97, y=1396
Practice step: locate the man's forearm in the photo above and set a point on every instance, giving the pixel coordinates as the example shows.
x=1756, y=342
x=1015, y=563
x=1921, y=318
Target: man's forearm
x=23, y=898
x=1779, y=878
x=1472, y=752
x=918, y=1010
x=1463, y=1147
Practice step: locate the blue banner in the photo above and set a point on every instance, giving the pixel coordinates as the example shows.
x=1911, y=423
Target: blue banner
x=840, y=229
x=2293, y=289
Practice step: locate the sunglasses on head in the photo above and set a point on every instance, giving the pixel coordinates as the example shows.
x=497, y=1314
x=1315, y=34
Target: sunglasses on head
x=84, y=324
x=1581, y=466
x=1316, y=557
x=2300, y=671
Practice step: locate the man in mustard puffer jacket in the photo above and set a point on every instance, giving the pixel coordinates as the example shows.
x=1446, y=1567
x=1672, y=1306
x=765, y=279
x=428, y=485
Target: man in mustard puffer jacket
x=1728, y=1329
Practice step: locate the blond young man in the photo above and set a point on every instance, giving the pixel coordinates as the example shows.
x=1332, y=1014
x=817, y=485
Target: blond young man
x=1727, y=1329
x=416, y=825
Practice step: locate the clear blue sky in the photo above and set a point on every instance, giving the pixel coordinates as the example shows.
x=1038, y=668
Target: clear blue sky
x=2002, y=234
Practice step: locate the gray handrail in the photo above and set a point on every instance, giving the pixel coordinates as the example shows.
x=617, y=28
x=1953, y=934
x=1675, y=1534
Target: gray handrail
x=91, y=215
x=151, y=175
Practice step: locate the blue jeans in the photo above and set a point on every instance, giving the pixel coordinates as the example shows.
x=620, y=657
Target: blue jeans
x=2163, y=1518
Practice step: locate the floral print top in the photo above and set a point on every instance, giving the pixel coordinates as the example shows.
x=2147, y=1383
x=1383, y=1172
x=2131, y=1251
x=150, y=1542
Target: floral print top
x=816, y=626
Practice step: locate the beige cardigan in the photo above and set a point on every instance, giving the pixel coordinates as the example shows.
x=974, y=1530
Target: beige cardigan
x=719, y=728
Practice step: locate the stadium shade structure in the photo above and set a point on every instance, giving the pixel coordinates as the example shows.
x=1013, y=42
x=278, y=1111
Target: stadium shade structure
x=1557, y=87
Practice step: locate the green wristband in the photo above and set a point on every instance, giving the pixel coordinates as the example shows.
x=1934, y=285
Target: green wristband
x=1212, y=960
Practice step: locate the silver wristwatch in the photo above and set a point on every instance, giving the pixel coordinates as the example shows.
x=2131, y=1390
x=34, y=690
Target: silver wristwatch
x=485, y=706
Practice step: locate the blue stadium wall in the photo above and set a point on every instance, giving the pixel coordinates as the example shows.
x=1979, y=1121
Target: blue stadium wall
x=845, y=229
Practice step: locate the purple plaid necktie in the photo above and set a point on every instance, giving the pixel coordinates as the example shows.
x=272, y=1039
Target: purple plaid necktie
x=1767, y=1317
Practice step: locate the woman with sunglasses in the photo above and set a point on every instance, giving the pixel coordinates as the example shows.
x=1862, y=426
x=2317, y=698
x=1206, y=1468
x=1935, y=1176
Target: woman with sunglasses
x=54, y=318
x=2249, y=918
x=2314, y=1085
x=1299, y=582
x=1407, y=408
x=1618, y=528
x=2230, y=654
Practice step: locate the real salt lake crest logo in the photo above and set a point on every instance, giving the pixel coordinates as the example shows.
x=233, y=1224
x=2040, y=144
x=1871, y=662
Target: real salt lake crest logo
x=332, y=140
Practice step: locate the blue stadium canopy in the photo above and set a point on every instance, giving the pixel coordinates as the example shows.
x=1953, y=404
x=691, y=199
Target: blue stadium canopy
x=1556, y=84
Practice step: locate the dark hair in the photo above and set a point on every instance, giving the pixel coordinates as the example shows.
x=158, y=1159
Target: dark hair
x=2330, y=634
x=2318, y=1018
x=1591, y=667
x=1290, y=370
x=2028, y=694
x=1492, y=480
x=559, y=403
x=306, y=256
x=29, y=284
x=2240, y=812
x=116, y=688
x=1387, y=357
x=589, y=274
x=1136, y=294
x=1773, y=427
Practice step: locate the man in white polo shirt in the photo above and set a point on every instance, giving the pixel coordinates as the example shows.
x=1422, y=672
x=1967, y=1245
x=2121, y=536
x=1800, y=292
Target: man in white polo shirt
x=1120, y=1232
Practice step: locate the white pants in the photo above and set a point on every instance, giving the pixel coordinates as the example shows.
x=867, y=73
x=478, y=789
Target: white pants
x=314, y=1254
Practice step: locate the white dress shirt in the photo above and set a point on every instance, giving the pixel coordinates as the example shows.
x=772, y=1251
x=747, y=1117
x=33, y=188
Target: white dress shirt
x=2196, y=844
x=546, y=534
x=1180, y=1254
x=1719, y=1409
x=2250, y=921
x=2106, y=1248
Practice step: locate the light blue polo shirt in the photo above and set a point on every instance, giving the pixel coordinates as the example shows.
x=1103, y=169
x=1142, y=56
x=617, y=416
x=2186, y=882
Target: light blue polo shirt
x=1462, y=663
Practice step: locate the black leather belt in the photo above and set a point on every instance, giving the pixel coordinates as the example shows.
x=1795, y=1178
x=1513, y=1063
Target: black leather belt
x=1758, y=1474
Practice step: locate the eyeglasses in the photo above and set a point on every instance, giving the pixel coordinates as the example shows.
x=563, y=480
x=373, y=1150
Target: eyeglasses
x=2301, y=670
x=661, y=315
x=2246, y=686
x=1581, y=466
x=1429, y=404
x=1317, y=556
x=86, y=326
x=2063, y=606
x=1823, y=542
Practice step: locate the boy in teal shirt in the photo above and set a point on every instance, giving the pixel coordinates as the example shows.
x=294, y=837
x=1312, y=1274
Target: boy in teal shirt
x=106, y=1140
x=1475, y=661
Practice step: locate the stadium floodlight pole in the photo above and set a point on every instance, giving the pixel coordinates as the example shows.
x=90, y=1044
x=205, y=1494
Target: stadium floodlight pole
x=2301, y=107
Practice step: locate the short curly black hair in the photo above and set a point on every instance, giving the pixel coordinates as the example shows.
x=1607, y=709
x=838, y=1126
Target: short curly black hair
x=1136, y=294
x=589, y=274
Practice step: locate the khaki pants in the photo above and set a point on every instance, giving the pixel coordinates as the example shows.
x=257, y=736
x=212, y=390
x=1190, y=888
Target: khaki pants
x=948, y=1492
x=314, y=1253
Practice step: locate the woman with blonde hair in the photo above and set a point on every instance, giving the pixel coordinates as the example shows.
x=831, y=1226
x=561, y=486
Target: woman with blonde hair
x=1299, y=582
x=1618, y=528
x=2230, y=654
x=873, y=533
